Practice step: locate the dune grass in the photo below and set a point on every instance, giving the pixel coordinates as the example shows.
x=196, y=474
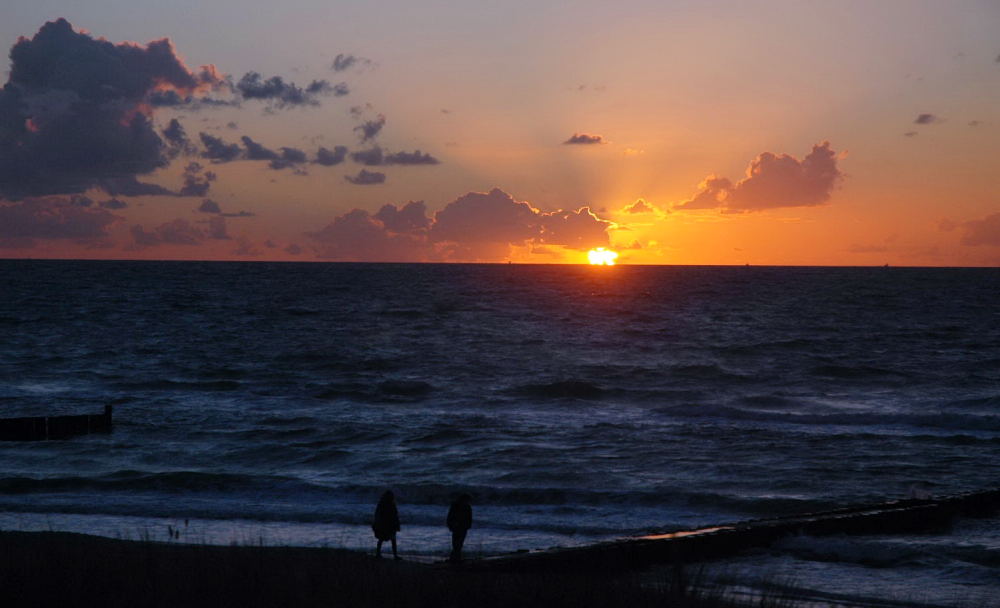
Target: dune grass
x=63, y=569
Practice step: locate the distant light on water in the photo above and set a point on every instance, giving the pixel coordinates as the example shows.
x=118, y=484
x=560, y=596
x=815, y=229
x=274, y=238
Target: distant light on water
x=602, y=257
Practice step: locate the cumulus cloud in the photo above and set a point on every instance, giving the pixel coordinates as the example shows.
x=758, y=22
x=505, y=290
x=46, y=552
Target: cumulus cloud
x=130, y=186
x=366, y=178
x=177, y=232
x=196, y=183
x=375, y=156
x=475, y=226
x=712, y=193
x=585, y=138
x=926, y=119
x=410, y=158
x=772, y=181
x=245, y=247
x=982, y=232
x=217, y=228
x=492, y=218
x=345, y=61
x=53, y=218
x=74, y=110
x=371, y=157
x=639, y=207
x=209, y=206
x=329, y=158
x=411, y=218
x=289, y=157
x=218, y=150
x=281, y=94
x=256, y=151
x=392, y=235
x=177, y=139
x=580, y=230
x=369, y=129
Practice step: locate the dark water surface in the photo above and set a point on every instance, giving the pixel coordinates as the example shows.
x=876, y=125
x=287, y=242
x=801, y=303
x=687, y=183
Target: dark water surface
x=574, y=403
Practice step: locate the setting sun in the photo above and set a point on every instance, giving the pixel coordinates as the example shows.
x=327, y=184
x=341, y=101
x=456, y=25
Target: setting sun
x=602, y=256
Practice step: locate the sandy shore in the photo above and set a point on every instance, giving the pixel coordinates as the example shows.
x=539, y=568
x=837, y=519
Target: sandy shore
x=64, y=569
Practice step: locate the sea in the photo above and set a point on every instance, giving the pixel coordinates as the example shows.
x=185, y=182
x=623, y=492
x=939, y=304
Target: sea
x=273, y=403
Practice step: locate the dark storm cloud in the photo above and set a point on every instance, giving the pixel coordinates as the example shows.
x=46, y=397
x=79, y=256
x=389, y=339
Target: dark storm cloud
x=53, y=218
x=371, y=157
x=218, y=150
x=410, y=158
x=74, y=111
x=772, y=181
x=585, y=138
x=926, y=119
x=279, y=93
x=366, y=178
x=369, y=129
x=329, y=158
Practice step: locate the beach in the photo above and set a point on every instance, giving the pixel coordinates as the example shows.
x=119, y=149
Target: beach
x=65, y=569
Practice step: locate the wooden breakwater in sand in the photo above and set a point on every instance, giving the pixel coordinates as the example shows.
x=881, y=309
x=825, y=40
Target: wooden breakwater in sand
x=716, y=542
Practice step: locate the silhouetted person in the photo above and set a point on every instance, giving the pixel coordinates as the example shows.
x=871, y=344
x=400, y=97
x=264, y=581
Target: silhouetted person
x=385, y=523
x=459, y=522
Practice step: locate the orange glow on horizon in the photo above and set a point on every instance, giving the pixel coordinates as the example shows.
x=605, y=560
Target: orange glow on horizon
x=602, y=257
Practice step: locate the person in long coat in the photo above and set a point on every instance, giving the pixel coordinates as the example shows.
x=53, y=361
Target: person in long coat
x=385, y=523
x=459, y=522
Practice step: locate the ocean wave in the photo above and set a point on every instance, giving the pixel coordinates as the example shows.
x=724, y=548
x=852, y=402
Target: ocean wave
x=178, y=385
x=385, y=390
x=855, y=372
x=941, y=420
x=853, y=550
x=563, y=389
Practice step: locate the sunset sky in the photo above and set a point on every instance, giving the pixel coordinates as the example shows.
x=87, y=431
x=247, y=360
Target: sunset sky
x=674, y=132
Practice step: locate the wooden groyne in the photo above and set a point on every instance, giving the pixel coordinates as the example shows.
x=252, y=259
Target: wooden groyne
x=39, y=428
x=717, y=542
